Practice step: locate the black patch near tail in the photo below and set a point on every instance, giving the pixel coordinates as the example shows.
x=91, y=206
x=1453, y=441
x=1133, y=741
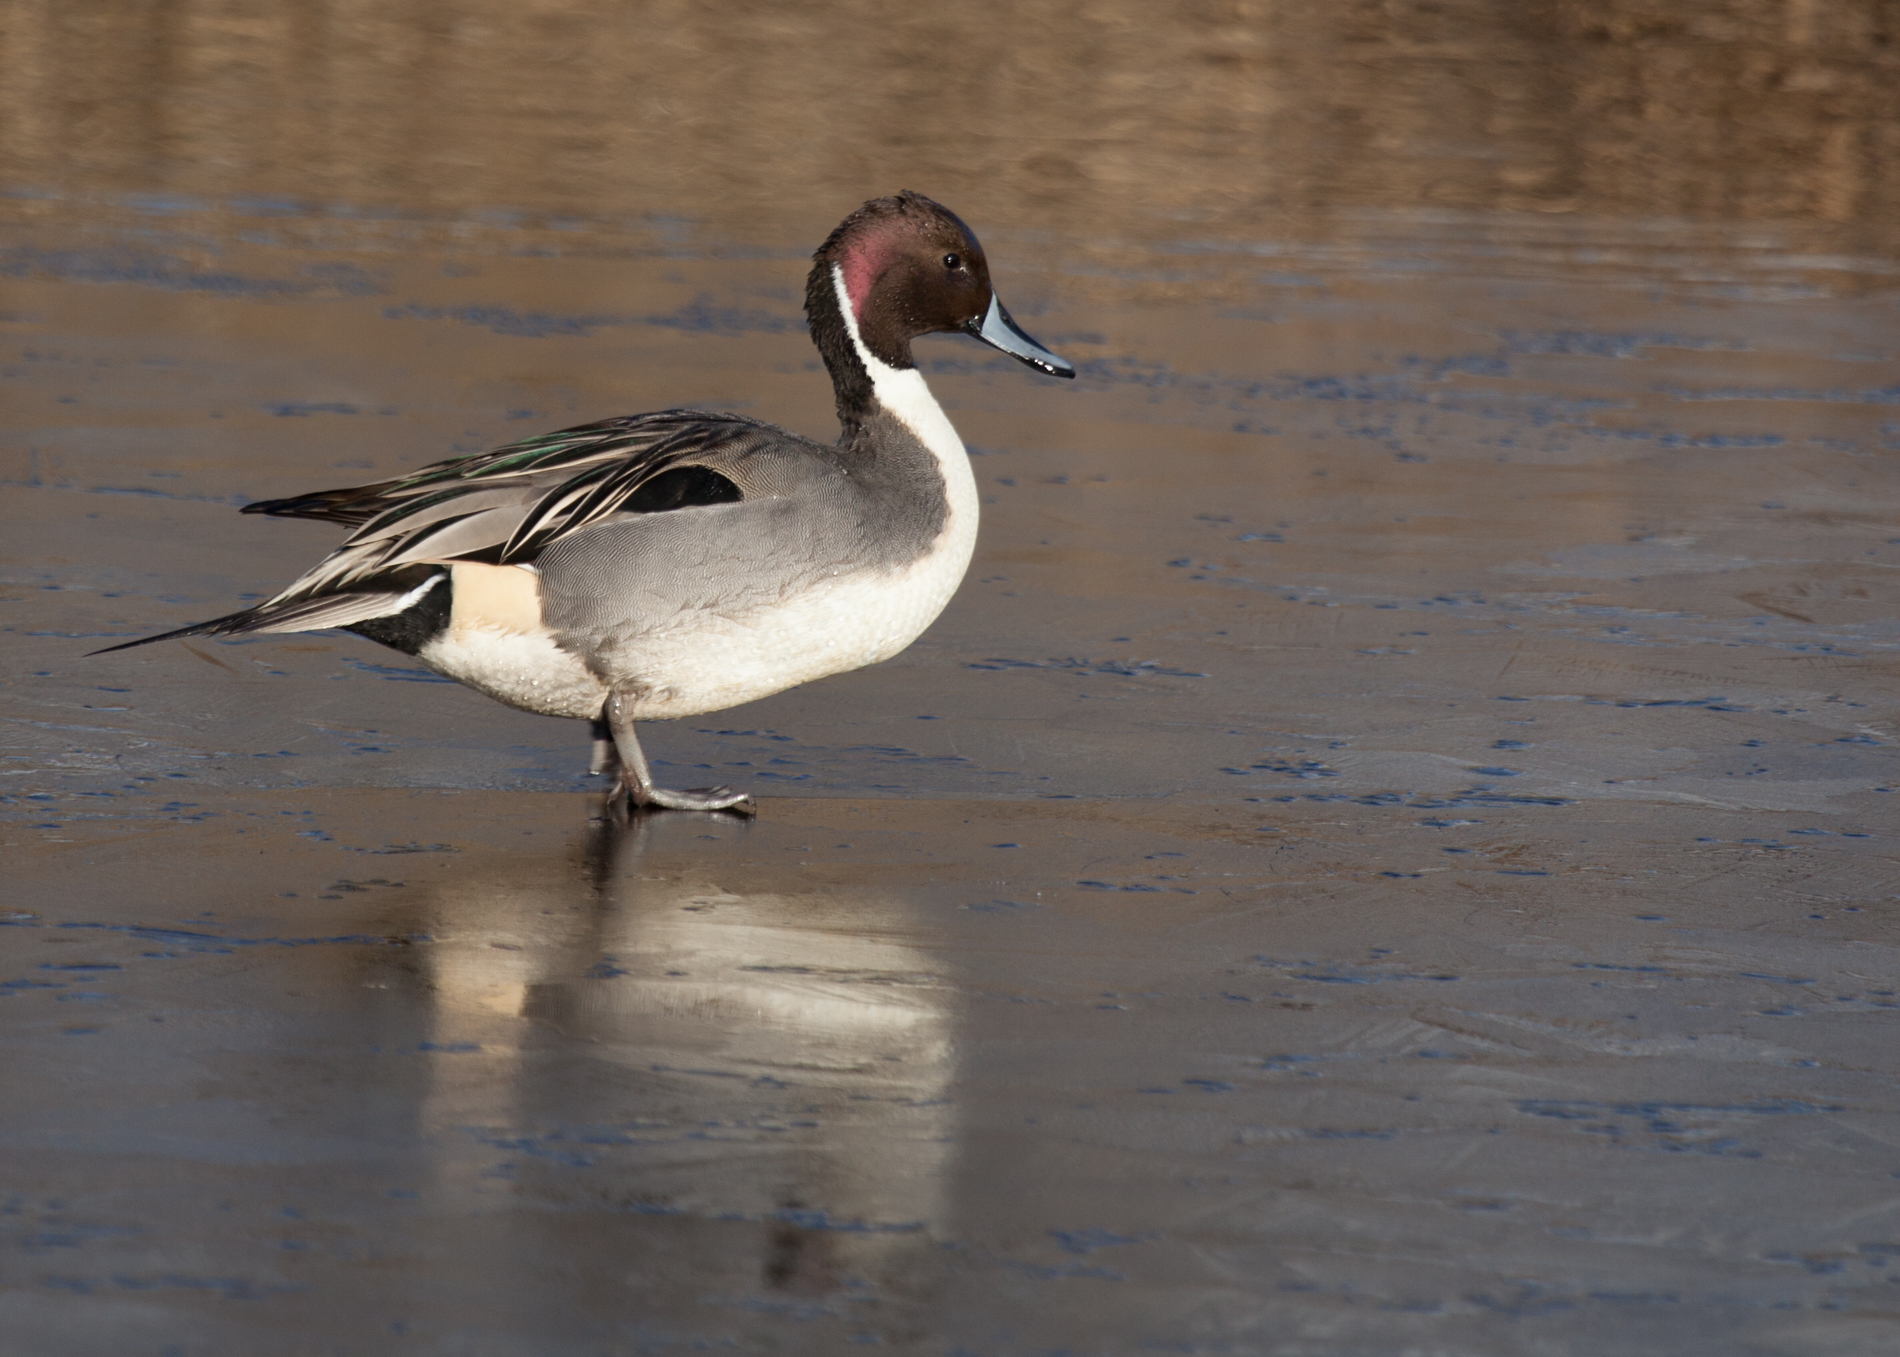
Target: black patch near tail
x=414, y=627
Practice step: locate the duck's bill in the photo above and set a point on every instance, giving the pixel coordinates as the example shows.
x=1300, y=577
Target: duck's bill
x=1000, y=332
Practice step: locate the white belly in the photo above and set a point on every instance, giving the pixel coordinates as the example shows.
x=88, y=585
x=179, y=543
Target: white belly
x=705, y=662
x=522, y=669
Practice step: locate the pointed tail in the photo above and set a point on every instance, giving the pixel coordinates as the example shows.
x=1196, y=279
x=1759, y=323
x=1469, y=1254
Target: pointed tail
x=352, y=507
x=302, y=614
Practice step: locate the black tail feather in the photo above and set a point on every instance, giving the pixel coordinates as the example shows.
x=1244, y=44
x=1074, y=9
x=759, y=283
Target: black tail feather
x=228, y=625
x=351, y=507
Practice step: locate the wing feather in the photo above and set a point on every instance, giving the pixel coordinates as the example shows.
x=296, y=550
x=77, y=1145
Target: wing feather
x=506, y=506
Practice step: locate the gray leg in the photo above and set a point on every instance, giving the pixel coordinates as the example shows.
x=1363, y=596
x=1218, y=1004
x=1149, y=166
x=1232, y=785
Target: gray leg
x=606, y=760
x=636, y=782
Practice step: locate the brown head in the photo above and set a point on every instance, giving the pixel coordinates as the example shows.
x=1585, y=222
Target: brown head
x=902, y=267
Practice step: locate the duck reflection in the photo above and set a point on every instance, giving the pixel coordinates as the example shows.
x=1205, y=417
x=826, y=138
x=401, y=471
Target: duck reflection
x=728, y=1080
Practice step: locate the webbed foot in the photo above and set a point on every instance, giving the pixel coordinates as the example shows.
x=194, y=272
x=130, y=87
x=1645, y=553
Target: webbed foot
x=699, y=798
x=617, y=754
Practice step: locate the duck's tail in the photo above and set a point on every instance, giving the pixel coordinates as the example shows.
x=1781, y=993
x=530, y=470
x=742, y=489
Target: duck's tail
x=301, y=614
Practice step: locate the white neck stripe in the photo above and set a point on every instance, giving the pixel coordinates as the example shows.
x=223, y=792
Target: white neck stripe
x=872, y=363
x=903, y=393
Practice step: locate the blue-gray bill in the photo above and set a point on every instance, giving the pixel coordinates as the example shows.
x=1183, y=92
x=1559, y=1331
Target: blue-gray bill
x=999, y=331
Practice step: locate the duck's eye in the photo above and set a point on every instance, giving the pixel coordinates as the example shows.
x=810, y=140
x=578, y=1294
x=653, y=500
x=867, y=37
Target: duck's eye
x=953, y=261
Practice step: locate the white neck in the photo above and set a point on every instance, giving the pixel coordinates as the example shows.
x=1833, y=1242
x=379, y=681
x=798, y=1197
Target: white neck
x=903, y=393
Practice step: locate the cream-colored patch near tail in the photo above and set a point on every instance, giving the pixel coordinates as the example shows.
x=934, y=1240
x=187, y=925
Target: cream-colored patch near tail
x=496, y=644
x=507, y=597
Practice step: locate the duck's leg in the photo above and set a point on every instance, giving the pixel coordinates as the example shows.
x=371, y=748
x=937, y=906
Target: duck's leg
x=636, y=782
x=606, y=759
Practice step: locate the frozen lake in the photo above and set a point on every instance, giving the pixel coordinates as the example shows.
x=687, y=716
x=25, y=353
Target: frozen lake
x=1391, y=851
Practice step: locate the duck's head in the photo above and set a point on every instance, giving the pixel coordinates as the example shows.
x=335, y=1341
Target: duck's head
x=906, y=266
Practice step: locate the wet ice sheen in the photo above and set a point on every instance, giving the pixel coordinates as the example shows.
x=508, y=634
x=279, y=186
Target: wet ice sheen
x=576, y=1075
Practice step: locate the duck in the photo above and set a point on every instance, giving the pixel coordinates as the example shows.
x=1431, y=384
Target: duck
x=663, y=565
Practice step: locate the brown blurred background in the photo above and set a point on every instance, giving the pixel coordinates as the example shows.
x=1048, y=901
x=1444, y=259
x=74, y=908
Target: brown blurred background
x=1103, y=119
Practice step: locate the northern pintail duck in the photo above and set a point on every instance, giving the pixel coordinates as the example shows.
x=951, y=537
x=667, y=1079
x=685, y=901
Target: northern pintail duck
x=664, y=565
